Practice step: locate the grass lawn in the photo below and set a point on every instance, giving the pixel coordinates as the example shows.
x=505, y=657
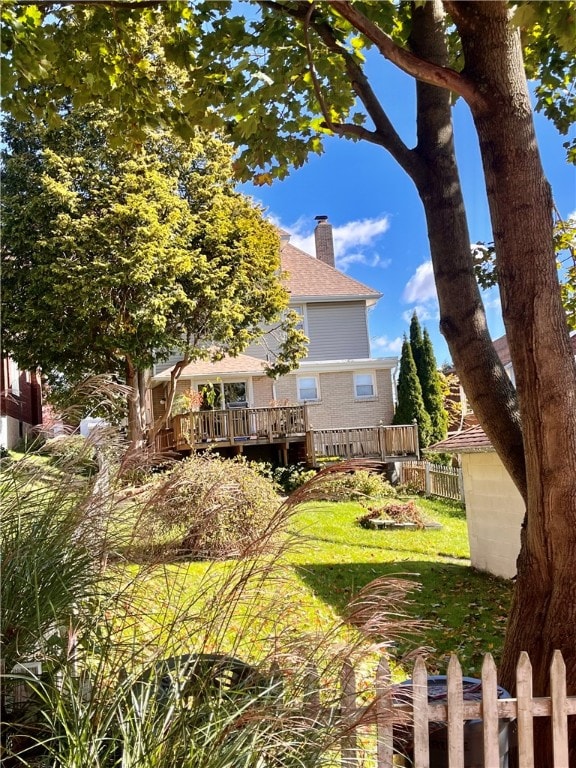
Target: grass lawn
x=466, y=609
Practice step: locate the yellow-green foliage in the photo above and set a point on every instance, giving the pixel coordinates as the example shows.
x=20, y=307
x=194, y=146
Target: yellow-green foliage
x=217, y=507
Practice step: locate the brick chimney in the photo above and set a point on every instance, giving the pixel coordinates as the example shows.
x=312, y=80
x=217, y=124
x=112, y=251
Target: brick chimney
x=324, y=241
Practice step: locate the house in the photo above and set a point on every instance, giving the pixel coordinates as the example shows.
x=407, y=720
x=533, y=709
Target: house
x=338, y=384
x=20, y=402
x=503, y=351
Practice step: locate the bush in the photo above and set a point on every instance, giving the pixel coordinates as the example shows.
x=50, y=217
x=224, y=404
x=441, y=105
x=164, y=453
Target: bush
x=434, y=457
x=357, y=485
x=291, y=477
x=285, y=479
x=221, y=508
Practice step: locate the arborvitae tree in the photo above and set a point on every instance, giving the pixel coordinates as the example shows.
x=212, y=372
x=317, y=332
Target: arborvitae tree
x=432, y=390
x=417, y=344
x=410, y=403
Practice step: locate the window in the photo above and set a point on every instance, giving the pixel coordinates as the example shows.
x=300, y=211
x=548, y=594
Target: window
x=13, y=376
x=301, y=311
x=235, y=394
x=364, y=385
x=308, y=388
x=218, y=395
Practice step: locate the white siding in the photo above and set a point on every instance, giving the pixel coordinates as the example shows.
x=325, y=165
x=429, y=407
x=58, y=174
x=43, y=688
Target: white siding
x=337, y=331
x=494, y=513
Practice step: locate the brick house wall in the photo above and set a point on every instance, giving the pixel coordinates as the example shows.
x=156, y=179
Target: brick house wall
x=337, y=406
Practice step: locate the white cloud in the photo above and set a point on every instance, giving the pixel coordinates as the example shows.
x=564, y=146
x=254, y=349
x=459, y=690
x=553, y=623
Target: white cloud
x=421, y=288
x=420, y=292
x=354, y=242
x=386, y=345
x=424, y=311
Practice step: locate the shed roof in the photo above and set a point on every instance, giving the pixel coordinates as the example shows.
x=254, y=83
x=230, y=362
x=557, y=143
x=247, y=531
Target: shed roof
x=471, y=440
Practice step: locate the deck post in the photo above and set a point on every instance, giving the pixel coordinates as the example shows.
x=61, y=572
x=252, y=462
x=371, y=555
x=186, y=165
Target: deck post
x=310, y=449
x=416, y=441
x=381, y=441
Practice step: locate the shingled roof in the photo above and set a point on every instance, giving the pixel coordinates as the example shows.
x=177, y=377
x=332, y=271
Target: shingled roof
x=241, y=364
x=471, y=440
x=503, y=350
x=311, y=278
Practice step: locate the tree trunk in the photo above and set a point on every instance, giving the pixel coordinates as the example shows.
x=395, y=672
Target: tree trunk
x=162, y=421
x=462, y=316
x=135, y=423
x=543, y=615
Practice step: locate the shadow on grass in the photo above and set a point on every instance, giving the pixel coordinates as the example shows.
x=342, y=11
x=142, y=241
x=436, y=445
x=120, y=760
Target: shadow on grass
x=465, y=610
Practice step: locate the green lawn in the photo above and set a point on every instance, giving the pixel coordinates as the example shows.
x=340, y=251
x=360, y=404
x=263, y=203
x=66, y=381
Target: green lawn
x=462, y=610
x=466, y=609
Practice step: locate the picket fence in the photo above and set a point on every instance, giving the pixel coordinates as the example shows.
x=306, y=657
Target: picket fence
x=412, y=711
x=433, y=479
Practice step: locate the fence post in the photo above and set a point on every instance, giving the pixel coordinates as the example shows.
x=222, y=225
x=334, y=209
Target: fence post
x=490, y=711
x=427, y=487
x=384, y=716
x=455, y=713
x=559, y=709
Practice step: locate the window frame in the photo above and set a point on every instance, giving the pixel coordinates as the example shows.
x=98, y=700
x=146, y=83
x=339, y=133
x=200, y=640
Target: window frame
x=356, y=376
x=300, y=310
x=316, y=380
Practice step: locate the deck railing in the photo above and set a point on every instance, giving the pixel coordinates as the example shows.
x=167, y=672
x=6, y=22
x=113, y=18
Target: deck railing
x=367, y=442
x=236, y=424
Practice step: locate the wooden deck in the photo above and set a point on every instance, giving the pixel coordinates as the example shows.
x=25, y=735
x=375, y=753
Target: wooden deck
x=285, y=426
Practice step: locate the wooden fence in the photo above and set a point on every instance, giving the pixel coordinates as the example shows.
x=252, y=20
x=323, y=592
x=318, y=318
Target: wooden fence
x=432, y=729
x=431, y=721
x=433, y=479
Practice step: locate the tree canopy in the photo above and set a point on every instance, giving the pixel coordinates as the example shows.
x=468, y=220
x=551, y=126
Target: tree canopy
x=431, y=387
x=115, y=258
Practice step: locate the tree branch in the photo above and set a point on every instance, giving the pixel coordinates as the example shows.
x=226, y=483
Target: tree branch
x=385, y=134
x=310, y=57
x=421, y=69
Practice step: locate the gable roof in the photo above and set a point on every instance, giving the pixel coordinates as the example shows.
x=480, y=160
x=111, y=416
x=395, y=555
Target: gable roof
x=474, y=440
x=471, y=440
x=310, y=278
x=503, y=350
x=242, y=365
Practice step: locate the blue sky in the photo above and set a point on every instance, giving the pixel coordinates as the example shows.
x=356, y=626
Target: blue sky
x=378, y=222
